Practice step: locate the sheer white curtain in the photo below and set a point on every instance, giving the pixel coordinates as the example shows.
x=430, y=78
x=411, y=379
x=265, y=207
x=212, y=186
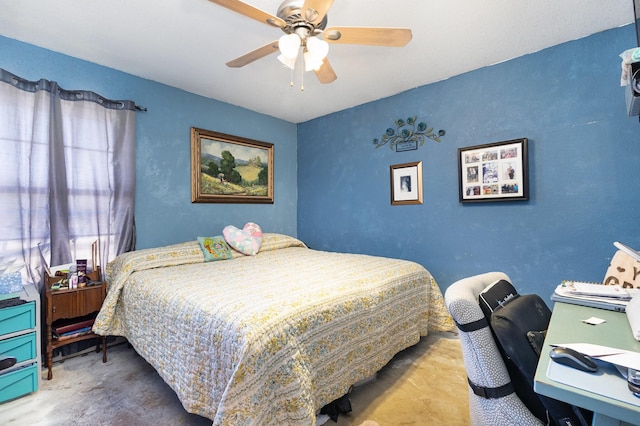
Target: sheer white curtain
x=67, y=177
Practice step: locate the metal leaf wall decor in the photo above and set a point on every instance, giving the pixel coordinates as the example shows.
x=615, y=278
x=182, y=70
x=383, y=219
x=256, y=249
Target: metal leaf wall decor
x=408, y=135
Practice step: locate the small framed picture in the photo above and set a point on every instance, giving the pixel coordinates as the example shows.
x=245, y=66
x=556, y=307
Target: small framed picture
x=406, y=183
x=494, y=172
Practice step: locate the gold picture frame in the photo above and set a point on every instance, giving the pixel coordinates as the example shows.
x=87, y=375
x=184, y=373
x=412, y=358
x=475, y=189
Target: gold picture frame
x=230, y=169
x=406, y=183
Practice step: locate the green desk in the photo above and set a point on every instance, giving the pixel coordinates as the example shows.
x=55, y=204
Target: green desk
x=566, y=326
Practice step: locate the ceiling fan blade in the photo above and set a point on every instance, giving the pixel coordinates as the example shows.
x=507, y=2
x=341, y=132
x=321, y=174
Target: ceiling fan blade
x=254, y=55
x=251, y=12
x=314, y=11
x=392, y=37
x=325, y=73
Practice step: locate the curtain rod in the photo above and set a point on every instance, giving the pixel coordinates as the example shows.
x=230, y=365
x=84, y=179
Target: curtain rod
x=70, y=95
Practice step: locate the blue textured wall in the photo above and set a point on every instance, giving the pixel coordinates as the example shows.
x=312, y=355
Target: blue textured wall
x=584, y=159
x=164, y=212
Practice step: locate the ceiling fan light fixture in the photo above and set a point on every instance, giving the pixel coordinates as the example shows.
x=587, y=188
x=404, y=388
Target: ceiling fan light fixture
x=287, y=62
x=289, y=45
x=315, y=53
x=319, y=49
x=311, y=63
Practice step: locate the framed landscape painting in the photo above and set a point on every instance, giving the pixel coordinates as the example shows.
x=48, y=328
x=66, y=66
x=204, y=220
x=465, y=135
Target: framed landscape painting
x=230, y=169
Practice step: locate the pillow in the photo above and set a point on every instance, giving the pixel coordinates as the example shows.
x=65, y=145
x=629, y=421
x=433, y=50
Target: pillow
x=247, y=240
x=214, y=248
x=623, y=270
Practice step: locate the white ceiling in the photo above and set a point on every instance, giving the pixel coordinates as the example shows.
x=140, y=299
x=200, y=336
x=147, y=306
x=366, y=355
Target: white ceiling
x=186, y=43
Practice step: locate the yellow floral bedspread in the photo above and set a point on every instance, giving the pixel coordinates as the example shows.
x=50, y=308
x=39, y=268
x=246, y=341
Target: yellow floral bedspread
x=271, y=338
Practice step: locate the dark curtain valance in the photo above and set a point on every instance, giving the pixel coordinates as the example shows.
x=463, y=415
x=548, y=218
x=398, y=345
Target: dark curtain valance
x=67, y=95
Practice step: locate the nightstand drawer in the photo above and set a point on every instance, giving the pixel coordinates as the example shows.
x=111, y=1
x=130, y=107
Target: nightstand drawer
x=17, y=318
x=76, y=302
x=22, y=347
x=18, y=382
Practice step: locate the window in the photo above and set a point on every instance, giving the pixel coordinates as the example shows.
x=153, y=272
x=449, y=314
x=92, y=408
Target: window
x=69, y=175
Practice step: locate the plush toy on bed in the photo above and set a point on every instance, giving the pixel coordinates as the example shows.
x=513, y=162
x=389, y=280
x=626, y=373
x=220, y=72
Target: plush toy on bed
x=247, y=240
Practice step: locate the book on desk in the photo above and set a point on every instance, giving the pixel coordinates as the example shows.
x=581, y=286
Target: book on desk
x=610, y=297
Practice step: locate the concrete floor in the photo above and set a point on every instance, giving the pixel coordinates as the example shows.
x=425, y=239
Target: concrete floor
x=423, y=385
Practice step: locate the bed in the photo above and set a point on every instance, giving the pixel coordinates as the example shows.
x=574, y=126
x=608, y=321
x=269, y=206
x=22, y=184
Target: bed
x=270, y=338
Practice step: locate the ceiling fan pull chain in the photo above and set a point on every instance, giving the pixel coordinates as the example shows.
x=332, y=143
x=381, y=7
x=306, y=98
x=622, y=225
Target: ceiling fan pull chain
x=302, y=77
x=291, y=74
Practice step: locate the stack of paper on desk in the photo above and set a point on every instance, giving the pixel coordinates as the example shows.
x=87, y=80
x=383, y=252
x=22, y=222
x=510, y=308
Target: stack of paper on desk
x=613, y=298
x=619, y=357
x=597, y=290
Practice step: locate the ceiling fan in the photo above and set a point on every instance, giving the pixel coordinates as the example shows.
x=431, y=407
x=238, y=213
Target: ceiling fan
x=302, y=21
